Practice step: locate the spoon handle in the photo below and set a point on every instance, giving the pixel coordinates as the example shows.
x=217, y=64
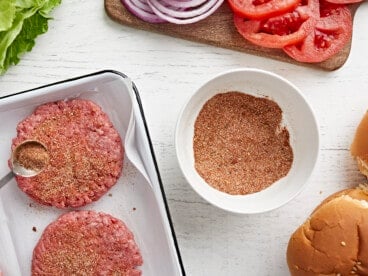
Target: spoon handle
x=5, y=179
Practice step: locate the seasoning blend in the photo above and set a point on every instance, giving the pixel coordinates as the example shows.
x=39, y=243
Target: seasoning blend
x=29, y=157
x=239, y=144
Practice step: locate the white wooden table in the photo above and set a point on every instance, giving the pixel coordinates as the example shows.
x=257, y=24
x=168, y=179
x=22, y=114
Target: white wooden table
x=82, y=39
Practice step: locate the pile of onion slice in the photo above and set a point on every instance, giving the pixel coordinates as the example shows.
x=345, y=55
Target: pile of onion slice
x=173, y=11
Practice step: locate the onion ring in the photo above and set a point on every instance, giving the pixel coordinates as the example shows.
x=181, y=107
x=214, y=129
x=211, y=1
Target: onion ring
x=188, y=13
x=187, y=16
x=142, y=10
x=184, y=3
x=173, y=11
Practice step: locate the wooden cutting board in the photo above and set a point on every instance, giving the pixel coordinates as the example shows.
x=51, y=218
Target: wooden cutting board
x=219, y=30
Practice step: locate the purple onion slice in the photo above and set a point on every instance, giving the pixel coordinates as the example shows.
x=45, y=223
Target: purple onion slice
x=189, y=15
x=142, y=10
x=184, y=3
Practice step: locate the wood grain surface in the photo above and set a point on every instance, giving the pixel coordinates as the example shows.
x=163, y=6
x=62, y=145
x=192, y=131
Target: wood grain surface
x=218, y=30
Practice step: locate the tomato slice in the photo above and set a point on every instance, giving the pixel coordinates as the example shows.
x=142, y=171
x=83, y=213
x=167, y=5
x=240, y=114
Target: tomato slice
x=280, y=31
x=344, y=1
x=259, y=9
x=331, y=33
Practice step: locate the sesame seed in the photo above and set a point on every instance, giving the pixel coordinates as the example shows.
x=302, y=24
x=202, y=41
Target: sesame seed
x=343, y=243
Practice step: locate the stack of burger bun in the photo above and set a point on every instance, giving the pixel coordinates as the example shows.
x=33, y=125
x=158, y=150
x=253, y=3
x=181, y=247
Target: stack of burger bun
x=334, y=239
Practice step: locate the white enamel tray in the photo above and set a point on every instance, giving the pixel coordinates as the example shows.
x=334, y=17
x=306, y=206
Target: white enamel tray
x=138, y=197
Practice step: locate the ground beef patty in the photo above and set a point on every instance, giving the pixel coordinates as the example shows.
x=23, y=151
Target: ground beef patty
x=86, y=153
x=86, y=243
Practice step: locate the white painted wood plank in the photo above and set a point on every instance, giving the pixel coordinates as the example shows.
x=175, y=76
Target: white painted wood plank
x=82, y=39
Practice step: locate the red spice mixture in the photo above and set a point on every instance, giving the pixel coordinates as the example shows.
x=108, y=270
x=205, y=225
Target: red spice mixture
x=86, y=243
x=239, y=144
x=32, y=156
x=85, y=151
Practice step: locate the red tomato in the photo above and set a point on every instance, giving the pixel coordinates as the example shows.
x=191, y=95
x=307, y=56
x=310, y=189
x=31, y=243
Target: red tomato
x=280, y=31
x=258, y=9
x=332, y=31
x=344, y=1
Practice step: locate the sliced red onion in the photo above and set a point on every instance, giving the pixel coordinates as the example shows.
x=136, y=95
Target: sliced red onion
x=142, y=4
x=171, y=10
x=187, y=16
x=184, y=3
x=142, y=10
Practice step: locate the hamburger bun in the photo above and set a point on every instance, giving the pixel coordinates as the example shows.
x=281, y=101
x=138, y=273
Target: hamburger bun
x=334, y=239
x=359, y=147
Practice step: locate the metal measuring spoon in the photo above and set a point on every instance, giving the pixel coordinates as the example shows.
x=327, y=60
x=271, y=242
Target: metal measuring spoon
x=28, y=159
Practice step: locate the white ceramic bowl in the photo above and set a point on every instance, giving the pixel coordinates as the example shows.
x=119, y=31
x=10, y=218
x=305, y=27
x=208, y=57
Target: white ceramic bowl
x=297, y=116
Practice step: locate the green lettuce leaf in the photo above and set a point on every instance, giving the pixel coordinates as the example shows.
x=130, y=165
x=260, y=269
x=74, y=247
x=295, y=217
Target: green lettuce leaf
x=32, y=27
x=7, y=14
x=8, y=37
x=45, y=5
x=30, y=20
x=48, y=6
x=26, y=4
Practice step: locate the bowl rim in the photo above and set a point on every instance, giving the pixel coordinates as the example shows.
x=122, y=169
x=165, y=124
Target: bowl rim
x=312, y=118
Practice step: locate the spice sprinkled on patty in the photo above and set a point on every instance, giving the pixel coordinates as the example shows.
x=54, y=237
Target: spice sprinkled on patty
x=85, y=151
x=239, y=144
x=86, y=243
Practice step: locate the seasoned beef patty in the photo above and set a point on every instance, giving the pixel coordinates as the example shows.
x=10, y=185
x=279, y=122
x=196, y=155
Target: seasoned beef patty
x=85, y=150
x=86, y=243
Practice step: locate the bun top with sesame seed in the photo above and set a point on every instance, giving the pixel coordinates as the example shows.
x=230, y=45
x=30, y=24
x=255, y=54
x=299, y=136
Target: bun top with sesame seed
x=334, y=239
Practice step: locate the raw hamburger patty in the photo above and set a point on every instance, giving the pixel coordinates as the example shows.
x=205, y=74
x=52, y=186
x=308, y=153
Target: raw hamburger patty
x=86, y=243
x=86, y=153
